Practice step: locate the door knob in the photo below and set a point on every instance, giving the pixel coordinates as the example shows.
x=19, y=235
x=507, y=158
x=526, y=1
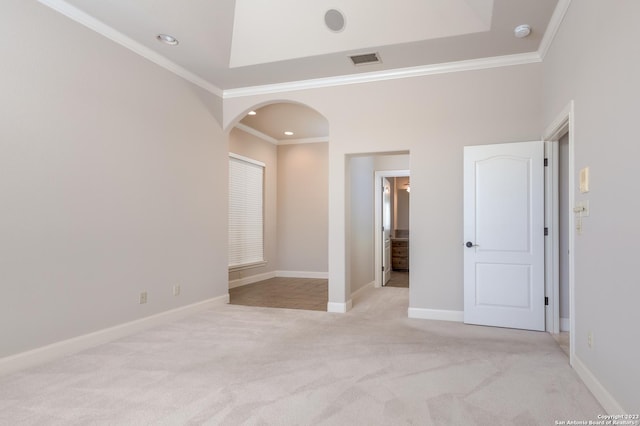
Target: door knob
x=470, y=244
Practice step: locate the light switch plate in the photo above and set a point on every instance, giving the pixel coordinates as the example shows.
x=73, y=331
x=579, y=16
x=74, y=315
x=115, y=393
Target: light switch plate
x=584, y=180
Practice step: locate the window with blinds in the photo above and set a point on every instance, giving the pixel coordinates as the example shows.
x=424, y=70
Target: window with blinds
x=246, y=212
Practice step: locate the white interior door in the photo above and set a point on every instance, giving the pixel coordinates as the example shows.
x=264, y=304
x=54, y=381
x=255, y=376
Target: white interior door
x=386, y=230
x=504, y=235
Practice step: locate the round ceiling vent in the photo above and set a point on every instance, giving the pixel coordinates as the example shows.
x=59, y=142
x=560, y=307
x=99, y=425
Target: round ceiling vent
x=334, y=20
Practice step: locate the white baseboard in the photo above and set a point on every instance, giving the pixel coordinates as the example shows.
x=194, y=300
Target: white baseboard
x=251, y=279
x=76, y=344
x=339, y=308
x=436, y=314
x=362, y=289
x=303, y=274
x=603, y=396
x=565, y=324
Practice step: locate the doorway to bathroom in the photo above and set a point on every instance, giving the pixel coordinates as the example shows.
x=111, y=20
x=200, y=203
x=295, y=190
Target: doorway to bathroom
x=393, y=189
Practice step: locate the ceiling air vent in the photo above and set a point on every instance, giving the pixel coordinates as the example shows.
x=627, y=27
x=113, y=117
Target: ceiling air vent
x=367, y=58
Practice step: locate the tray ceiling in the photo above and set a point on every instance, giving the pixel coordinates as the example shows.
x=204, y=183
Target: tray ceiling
x=228, y=45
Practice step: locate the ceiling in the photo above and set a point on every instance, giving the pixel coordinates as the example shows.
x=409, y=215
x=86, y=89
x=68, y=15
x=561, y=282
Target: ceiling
x=271, y=121
x=237, y=47
x=225, y=45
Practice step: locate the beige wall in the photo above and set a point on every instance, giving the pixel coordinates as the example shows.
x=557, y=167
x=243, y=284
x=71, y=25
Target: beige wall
x=296, y=199
x=110, y=171
x=303, y=208
x=595, y=61
x=361, y=224
x=250, y=146
x=432, y=117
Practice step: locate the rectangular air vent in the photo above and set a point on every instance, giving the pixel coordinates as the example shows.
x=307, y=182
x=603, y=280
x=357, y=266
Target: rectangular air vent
x=367, y=58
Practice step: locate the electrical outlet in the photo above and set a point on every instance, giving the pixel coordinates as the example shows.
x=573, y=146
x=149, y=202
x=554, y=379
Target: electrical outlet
x=590, y=339
x=143, y=297
x=176, y=290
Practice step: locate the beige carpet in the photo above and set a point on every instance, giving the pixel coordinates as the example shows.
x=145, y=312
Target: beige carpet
x=238, y=365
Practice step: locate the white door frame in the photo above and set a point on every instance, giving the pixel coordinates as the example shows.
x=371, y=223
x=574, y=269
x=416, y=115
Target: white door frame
x=377, y=203
x=563, y=123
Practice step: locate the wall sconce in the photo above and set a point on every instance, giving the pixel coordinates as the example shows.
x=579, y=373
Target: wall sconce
x=408, y=187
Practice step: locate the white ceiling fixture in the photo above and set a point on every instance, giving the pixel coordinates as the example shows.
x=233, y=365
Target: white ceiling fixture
x=251, y=113
x=522, y=31
x=167, y=39
x=288, y=133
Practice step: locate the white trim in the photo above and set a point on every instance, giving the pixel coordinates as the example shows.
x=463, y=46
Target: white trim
x=565, y=324
x=362, y=289
x=436, y=314
x=247, y=159
x=608, y=402
x=303, y=140
x=394, y=74
x=552, y=240
x=303, y=274
x=256, y=133
x=280, y=274
x=339, y=308
x=275, y=141
x=251, y=279
x=565, y=122
x=553, y=27
x=76, y=344
x=100, y=27
x=236, y=268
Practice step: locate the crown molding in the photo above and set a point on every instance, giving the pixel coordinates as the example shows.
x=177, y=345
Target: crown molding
x=256, y=133
x=553, y=27
x=399, y=73
x=303, y=140
x=100, y=27
x=267, y=138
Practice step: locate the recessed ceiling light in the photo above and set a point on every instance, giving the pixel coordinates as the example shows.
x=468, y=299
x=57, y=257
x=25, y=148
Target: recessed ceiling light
x=522, y=31
x=251, y=113
x=288, y=133
x=167, y=39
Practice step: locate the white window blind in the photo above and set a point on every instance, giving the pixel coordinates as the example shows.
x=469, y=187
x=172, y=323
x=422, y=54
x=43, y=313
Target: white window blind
x=246, y=211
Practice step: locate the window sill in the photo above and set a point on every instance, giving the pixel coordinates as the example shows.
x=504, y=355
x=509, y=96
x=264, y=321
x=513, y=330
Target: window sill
x=235, y=268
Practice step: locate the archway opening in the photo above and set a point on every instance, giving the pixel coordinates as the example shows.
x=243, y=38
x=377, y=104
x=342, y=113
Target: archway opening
x=290, y=141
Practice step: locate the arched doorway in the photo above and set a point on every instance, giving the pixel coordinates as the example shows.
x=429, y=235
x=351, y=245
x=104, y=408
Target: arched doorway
x=290, y=140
